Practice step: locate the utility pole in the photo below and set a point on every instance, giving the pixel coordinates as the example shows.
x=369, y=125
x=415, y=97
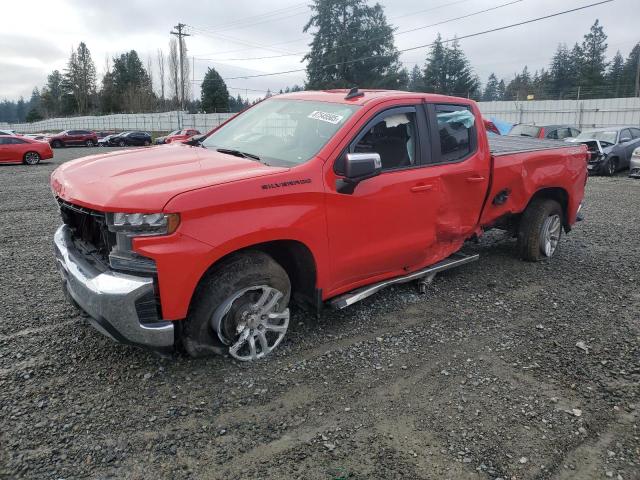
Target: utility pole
x=180, y=34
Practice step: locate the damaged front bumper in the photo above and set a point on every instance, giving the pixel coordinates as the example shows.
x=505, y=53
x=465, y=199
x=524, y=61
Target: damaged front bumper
x=117, y=303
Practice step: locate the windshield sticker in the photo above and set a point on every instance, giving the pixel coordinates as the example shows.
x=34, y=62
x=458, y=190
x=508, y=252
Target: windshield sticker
x=326, y=117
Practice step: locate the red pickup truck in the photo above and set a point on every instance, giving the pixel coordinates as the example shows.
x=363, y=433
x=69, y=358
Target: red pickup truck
x=318, y=198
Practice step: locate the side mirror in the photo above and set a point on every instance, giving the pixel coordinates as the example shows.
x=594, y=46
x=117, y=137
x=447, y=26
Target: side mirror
x=357, y=168
x=360, y=166
x=625, y=140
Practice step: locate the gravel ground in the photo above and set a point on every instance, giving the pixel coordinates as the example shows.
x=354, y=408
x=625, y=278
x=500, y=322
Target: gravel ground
x=503, y=369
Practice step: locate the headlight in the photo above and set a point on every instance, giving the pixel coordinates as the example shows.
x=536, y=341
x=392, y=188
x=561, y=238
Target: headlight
x=139, y=224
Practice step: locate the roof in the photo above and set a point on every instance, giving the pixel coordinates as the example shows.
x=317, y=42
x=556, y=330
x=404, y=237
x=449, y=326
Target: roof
x=338, y=96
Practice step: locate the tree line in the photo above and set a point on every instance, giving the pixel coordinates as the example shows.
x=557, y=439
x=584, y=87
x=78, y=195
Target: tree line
x=352, y=45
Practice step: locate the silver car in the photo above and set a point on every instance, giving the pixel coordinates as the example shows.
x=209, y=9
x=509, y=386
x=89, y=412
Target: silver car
x=634, y=164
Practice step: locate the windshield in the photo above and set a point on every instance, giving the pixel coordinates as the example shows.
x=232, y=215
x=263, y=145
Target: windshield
x=608, y=136
x=524, y=131
x=175, y=132
x=282, y=132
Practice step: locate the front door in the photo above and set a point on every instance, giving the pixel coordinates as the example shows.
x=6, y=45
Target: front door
x=385, y=226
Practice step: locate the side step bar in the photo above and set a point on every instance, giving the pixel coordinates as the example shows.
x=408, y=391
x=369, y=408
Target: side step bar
x=455, y=260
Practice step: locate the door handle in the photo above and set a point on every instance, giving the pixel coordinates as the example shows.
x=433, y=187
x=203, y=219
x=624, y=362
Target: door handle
x=477, y=179
x=421, y=188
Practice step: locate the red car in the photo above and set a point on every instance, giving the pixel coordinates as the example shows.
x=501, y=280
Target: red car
x=74, y=137
x=318, y=198
x=20, y=149
x=182, y=135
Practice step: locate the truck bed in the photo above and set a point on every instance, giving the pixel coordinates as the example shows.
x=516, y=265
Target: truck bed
x=505, y=145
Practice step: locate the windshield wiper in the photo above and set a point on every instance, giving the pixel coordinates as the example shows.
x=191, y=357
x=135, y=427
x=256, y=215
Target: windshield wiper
x=238, y=153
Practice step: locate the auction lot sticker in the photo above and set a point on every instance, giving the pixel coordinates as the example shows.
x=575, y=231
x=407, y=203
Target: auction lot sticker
x=326, y=117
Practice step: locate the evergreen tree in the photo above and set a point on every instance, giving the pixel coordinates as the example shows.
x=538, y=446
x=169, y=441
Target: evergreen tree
x=491, y=90
x=435, y=70
x=615, y=75
x=520, y=87
x=502, y=90
x=416, y=81
x=131, y=84
x=52, y=94
x=214, y=93
x=563, y=72
x=462, y=82
x=345, y=30
x=21, y=110
x=593, y=66
x=33, y=115
x=80, y=78
x=630, y=72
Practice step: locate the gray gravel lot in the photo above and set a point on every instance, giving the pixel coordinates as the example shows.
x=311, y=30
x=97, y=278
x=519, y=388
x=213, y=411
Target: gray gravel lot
x=480, y=378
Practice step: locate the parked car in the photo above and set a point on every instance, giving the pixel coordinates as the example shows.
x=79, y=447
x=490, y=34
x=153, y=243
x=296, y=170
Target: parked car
x=127, y=139
x=551, y=132
x=20, y=149
x=69, y=138
x=206, y=247
x=105, y=141
x=102, y=133
x=634, y=165
x=8, y=132
x=615, y=148
x=161, y=140
x=181, y=135
x=37, y=136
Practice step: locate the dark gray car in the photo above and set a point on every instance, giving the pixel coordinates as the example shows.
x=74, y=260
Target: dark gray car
x=616, y=145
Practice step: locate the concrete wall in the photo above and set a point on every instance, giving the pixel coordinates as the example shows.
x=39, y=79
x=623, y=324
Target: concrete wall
x=605, y=112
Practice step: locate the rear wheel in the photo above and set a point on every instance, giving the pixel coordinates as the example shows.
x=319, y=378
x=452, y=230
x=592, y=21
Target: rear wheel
x=240, y=308
x=147, y=143
x=122, y=143
x=57, y=144
x=31, y=158
x=611, y=167
x=89, y=143
x=540, y=230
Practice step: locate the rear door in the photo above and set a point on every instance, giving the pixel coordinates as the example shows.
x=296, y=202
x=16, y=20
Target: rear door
x=627, y=147
x=462, y=165
x=5, y=149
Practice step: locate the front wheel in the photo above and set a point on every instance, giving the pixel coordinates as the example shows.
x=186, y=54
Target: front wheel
x=240, y=308
x=89, y=143
x=122, y=143
x=31, y=158
x=611, y=167
x=57, y=144
x=540, y=230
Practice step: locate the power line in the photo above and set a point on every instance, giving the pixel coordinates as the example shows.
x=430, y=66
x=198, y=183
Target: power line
x=449, y=4
x=377, y=38
x=232, y=23
x=484, y=32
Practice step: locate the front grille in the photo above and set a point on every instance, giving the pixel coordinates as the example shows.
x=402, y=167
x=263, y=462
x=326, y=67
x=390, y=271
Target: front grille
x=88, y=230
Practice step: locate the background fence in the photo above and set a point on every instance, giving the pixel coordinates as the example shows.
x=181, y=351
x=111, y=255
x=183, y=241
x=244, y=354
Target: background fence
x=604, y=112
x=149, y=122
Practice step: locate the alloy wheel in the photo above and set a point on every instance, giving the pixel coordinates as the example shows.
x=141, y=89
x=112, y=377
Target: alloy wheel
x=31, y=158
x=551, y=231
x=249, y=322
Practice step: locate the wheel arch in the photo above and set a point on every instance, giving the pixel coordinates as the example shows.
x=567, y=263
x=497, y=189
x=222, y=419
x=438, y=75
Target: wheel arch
x=558, y=194
x=297, y=260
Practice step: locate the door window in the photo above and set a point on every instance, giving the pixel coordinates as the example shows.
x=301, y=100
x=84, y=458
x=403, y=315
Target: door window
x=563, y=133
x=456, y=132
x=393, y=137
x=635, y=132
x=553, y=134
x=625, y=134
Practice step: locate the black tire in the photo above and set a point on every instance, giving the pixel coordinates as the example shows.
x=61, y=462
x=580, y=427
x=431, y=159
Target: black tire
x=530, y=231
x=246, y=269
x=57, y=144
x=31, y=158
x=122, y=143
x=89, y=143
x=147, y=143
x=611, y=167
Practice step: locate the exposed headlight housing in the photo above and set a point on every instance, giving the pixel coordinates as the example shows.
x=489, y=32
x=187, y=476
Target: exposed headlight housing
x=143, y=224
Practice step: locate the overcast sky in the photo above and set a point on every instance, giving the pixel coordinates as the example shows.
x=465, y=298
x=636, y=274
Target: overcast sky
x=37, y=36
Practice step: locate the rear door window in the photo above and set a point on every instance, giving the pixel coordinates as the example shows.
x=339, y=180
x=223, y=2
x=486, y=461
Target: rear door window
x=625, y=134
x=455, y=127
x=635, y=132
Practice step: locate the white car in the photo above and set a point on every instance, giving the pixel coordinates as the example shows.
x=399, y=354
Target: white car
x=8, y=132
x=634, y=164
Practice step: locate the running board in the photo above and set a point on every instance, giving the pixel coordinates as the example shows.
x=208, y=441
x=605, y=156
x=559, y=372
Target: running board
x=346, y=299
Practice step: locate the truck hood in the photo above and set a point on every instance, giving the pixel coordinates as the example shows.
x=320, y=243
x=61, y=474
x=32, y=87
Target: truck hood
x=144, y=180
